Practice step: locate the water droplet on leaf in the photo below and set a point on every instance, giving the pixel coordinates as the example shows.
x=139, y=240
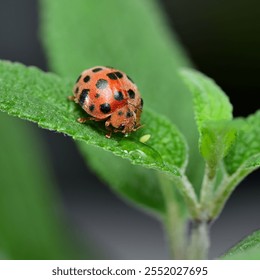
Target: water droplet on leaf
x=141, y=153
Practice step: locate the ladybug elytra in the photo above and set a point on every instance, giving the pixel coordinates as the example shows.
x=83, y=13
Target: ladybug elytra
x=109, y=95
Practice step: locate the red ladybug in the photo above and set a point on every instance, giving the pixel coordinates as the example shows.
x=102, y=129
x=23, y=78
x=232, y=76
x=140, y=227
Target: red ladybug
x=109, y=95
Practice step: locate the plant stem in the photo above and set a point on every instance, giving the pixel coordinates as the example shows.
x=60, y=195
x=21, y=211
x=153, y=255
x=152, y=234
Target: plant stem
x=188, y=193
x=199, y=241
x=207, y=189
x=225, y=189
x=199, y=237
x=175, y=219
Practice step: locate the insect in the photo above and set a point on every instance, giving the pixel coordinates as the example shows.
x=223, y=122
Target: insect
x=109, y=95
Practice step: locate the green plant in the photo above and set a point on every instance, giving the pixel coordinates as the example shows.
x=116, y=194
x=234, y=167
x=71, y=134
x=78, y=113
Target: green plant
x=162, y=175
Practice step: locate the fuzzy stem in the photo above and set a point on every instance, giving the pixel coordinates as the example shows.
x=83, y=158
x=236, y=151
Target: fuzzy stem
x=199, y=242
x=207, y=189
x=225, y=189
x=186, y=189
x=174, y=220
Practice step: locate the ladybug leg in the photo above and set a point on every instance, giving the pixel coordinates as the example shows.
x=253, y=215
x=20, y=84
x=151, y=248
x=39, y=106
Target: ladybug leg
x=71, y=98
x=120, y=130
x=138, y=127
x=108, y=135
x=107, y=123
x=108, y=127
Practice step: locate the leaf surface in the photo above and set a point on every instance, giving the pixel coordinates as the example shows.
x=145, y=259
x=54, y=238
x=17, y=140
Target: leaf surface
x=30, y=227
x=131, y=182
x=245, y=152
x=247, y=249
x=210, y=102
x=42, y=97
x=213, y=113
x=131, y=36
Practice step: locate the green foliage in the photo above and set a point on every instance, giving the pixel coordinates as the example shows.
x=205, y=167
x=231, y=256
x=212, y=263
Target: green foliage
x=133, y=183
x=131, y=36
x=247, y=249
x=242, y=159
x=30, y=226
x=235, y=141
x=250, y=254
x=213, y=113
x=245, y=153
x=217, y=138
x=39, y=97
x=217, y=131
x=81, y=34
x=210, y=102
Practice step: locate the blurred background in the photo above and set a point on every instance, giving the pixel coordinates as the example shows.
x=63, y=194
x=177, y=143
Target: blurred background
x=222, y=39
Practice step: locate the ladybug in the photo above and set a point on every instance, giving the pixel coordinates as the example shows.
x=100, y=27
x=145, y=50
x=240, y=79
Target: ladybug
x=109, y=95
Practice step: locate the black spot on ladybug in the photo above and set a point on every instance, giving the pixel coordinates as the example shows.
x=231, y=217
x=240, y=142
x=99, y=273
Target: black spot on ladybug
x=142, y=103
x=120, y=113
x=119, y=74
x=97, y=95
x=96, y=69
x=112, y=76
x=131, y=94
x=118, y=95
x=105, y=108
x=129, y=79
x=83, y=96
x=129, y=114
x=86, y=79
x=78, y=78
x=77, y=90
x=91, y=107
x=101, y=84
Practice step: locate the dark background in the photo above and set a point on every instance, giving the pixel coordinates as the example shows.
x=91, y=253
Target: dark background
x=222, y=38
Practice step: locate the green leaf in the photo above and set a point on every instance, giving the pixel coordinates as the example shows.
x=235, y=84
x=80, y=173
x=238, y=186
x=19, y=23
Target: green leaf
x=213, y=113
x=30, y=227
x=248, y=248
x=131, y=36
x=41, y=97
x=250, y=254
x=216, y=140
x=210, y=102
x=245, y=152
x=135, y=183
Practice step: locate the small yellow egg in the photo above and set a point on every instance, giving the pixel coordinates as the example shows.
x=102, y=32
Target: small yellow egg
x=145, y=138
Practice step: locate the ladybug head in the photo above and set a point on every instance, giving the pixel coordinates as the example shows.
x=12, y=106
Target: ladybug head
x=124, y=119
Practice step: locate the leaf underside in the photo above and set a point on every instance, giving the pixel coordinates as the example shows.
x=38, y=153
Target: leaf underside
x=131, y=182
